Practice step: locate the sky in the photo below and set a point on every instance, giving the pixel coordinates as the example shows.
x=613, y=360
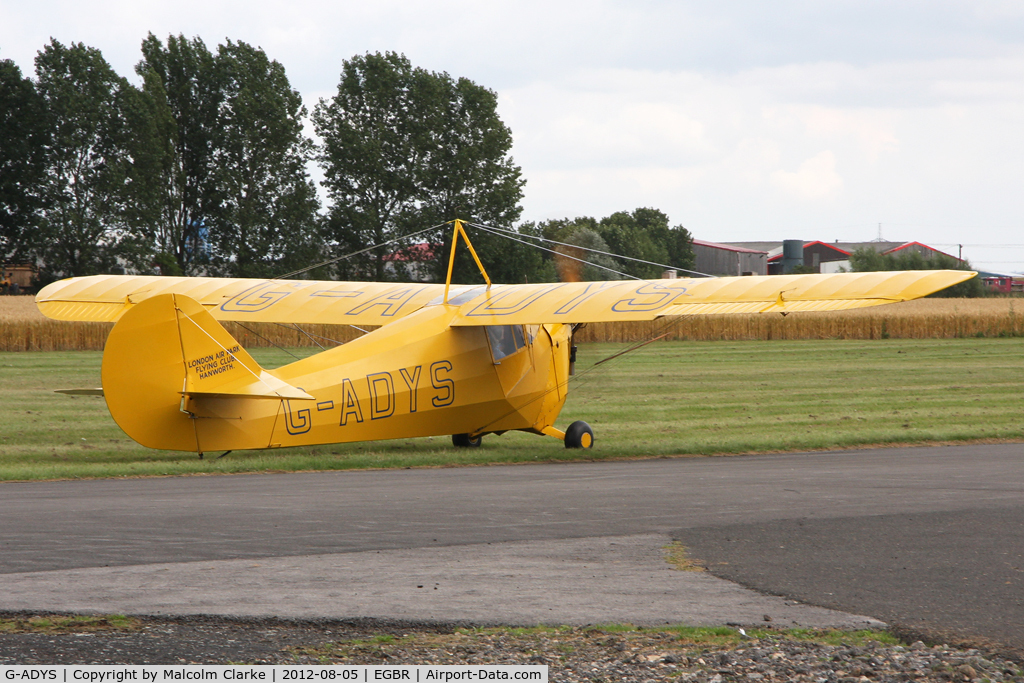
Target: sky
x=742, y=120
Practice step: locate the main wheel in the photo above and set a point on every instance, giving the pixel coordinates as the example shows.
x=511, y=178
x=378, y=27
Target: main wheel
x=464, y=441
x=579, y=435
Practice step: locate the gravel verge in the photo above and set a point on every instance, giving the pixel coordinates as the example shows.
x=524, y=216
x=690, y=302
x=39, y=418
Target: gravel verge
x=572, y=653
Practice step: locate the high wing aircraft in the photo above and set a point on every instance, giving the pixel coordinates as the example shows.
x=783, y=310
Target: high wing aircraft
x=447, y=359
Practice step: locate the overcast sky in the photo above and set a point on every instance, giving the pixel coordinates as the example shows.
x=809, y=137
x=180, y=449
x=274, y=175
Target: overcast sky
x=741, y=120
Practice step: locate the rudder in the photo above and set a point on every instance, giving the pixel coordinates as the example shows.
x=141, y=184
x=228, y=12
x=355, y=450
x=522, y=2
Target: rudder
x=174, y=379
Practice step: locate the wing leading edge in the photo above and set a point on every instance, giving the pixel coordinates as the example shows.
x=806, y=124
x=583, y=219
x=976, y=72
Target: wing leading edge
x=585, y=302
x=105, y=298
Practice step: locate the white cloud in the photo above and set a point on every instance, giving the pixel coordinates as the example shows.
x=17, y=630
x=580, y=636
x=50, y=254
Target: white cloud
x=740, y=119
x=753, y=155
x=816, y=178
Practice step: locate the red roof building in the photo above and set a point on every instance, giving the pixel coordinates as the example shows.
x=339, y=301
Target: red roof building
x=830, y=257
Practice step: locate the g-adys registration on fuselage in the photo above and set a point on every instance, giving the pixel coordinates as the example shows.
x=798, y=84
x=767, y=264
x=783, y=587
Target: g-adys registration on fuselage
x=447, y=359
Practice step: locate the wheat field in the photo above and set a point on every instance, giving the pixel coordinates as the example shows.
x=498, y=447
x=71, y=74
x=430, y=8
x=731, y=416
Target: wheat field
x=24, y=328
x=19, y=309
x=920, y=319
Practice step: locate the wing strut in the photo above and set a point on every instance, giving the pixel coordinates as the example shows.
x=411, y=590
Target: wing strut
x=459, y=230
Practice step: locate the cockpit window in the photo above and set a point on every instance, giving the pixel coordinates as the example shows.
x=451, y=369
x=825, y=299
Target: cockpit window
x=505, y=340
x=517, y=333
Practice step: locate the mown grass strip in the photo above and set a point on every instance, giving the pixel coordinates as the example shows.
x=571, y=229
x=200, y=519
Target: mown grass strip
x=667, y=399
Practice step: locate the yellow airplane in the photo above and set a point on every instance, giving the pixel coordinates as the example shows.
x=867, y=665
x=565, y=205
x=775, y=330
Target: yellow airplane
x=447, y=359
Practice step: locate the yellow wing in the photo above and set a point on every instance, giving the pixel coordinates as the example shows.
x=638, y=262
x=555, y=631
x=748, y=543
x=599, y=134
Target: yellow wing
x=583, y=302
x=105, y=298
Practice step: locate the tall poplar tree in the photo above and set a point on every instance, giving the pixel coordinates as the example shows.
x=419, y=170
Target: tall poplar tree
x=267, y=221
x=234, y=195
x=405, y=148
x=84, y=227
x=183, y=85
x=23, y=141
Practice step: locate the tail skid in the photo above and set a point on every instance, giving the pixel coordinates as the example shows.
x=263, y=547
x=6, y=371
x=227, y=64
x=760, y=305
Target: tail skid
x=173, y=378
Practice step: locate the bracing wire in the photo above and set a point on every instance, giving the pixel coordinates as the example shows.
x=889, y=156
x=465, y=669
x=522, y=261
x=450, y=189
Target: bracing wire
x=361, y=251
x=327, y=263
x=314, y=337
x=666, y=329
x=552, y=251
x=506, y=231
x=308, y=336
x=266, y=339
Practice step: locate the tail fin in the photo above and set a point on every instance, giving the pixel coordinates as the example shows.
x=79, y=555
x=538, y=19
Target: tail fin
x=173, y=378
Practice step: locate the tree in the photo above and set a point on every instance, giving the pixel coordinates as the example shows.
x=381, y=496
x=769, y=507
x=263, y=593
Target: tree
x=643, y=234
x=584, y=263
x=468, y=168
x=867, y=260
x=153, y=136
x=233, y=193
x=268, y=215
x=506, y=261
x=23, y=142
x=184, y=91
x=404, y=148
x=84, y=227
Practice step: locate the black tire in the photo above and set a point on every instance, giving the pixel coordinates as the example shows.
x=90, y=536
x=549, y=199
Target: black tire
x=579, y=435
x=464, y=441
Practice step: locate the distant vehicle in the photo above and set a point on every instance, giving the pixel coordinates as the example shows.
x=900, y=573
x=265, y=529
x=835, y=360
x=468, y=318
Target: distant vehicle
x=16, y=279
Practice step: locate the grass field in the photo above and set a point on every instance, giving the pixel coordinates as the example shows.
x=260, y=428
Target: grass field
x=667, y=399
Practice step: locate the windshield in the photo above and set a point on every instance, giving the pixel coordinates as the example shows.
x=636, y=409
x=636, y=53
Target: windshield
x=505, y=340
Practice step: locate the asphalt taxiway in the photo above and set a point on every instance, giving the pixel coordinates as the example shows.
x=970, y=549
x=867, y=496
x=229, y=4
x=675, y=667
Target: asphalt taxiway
x=927, y=537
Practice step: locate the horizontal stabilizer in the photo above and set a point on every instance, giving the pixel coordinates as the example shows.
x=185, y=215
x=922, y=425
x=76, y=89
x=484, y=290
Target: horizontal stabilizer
x=80, y=392
x=173, y=378
x=283, y=391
